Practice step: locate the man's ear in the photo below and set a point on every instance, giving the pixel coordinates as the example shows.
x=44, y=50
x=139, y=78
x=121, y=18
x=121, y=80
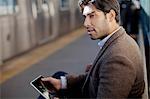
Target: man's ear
x=111, y=15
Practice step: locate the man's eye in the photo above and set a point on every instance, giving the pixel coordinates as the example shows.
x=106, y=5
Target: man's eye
x=91, y=16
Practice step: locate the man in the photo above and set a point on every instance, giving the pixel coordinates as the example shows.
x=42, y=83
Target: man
x=117, y=71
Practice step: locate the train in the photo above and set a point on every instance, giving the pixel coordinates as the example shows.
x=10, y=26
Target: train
x=26, y=24
x=145, y=29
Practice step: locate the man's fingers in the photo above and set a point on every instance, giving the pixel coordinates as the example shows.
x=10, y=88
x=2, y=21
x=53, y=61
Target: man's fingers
x=46, y=79
x=55, y=82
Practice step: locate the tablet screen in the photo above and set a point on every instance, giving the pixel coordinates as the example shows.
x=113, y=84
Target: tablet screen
x=39, y=86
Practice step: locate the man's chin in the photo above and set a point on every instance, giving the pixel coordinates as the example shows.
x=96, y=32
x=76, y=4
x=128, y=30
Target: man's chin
x=93, y=38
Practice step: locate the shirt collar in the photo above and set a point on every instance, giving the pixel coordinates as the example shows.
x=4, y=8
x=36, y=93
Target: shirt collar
x=103, y=41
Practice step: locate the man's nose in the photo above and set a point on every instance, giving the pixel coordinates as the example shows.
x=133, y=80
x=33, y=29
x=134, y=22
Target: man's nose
x=87, y=22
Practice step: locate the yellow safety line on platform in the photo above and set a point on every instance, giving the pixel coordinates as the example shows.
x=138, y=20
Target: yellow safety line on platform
x=17, y=65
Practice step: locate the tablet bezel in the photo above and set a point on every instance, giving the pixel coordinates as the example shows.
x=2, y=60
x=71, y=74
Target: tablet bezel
x=31, y=83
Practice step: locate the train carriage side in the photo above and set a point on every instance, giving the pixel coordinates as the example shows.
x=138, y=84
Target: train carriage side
x=34, y=22
x=8, y=45
x=145, y=32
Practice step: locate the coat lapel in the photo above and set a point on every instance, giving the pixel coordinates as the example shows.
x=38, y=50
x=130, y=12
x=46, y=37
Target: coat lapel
x=120, y=32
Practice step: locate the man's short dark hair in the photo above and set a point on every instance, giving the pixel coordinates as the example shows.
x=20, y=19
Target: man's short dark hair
x=105, y=6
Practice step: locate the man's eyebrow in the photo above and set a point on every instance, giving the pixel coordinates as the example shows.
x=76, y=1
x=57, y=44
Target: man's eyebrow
x=89, y=13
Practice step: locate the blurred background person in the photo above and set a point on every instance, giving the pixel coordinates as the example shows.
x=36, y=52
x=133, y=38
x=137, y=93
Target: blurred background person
x=130, y=16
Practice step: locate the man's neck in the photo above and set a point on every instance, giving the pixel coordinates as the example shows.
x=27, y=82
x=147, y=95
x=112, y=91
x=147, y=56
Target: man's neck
x=114, y=28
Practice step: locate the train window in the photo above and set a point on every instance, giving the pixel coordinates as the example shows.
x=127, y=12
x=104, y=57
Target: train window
x=64, y=5
x=8, y=7
x=34, y=9
x=44, y=1
x=45, y=5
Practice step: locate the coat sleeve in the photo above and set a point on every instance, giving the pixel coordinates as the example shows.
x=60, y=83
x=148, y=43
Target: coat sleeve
x=74, y=85
x=116, y=77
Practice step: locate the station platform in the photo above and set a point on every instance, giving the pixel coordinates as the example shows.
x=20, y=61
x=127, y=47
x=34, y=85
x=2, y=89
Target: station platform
x=20, y=63
x=70, y=53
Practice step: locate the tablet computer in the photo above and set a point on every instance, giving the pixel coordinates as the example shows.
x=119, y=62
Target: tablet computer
x=38, y=84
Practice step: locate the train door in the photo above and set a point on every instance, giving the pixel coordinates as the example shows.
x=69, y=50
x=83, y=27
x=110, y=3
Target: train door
x=43, y=20
x=0, y=47
x=7, y=26
x=64, y=16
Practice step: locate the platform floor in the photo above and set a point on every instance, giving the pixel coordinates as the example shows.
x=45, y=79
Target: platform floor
x=69, y=53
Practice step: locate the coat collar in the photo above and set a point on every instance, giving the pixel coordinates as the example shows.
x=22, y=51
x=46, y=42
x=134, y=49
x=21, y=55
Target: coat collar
x=114, y=36
x=103, y=41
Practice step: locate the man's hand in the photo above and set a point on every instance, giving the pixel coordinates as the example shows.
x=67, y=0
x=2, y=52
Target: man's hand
x=55, y=82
